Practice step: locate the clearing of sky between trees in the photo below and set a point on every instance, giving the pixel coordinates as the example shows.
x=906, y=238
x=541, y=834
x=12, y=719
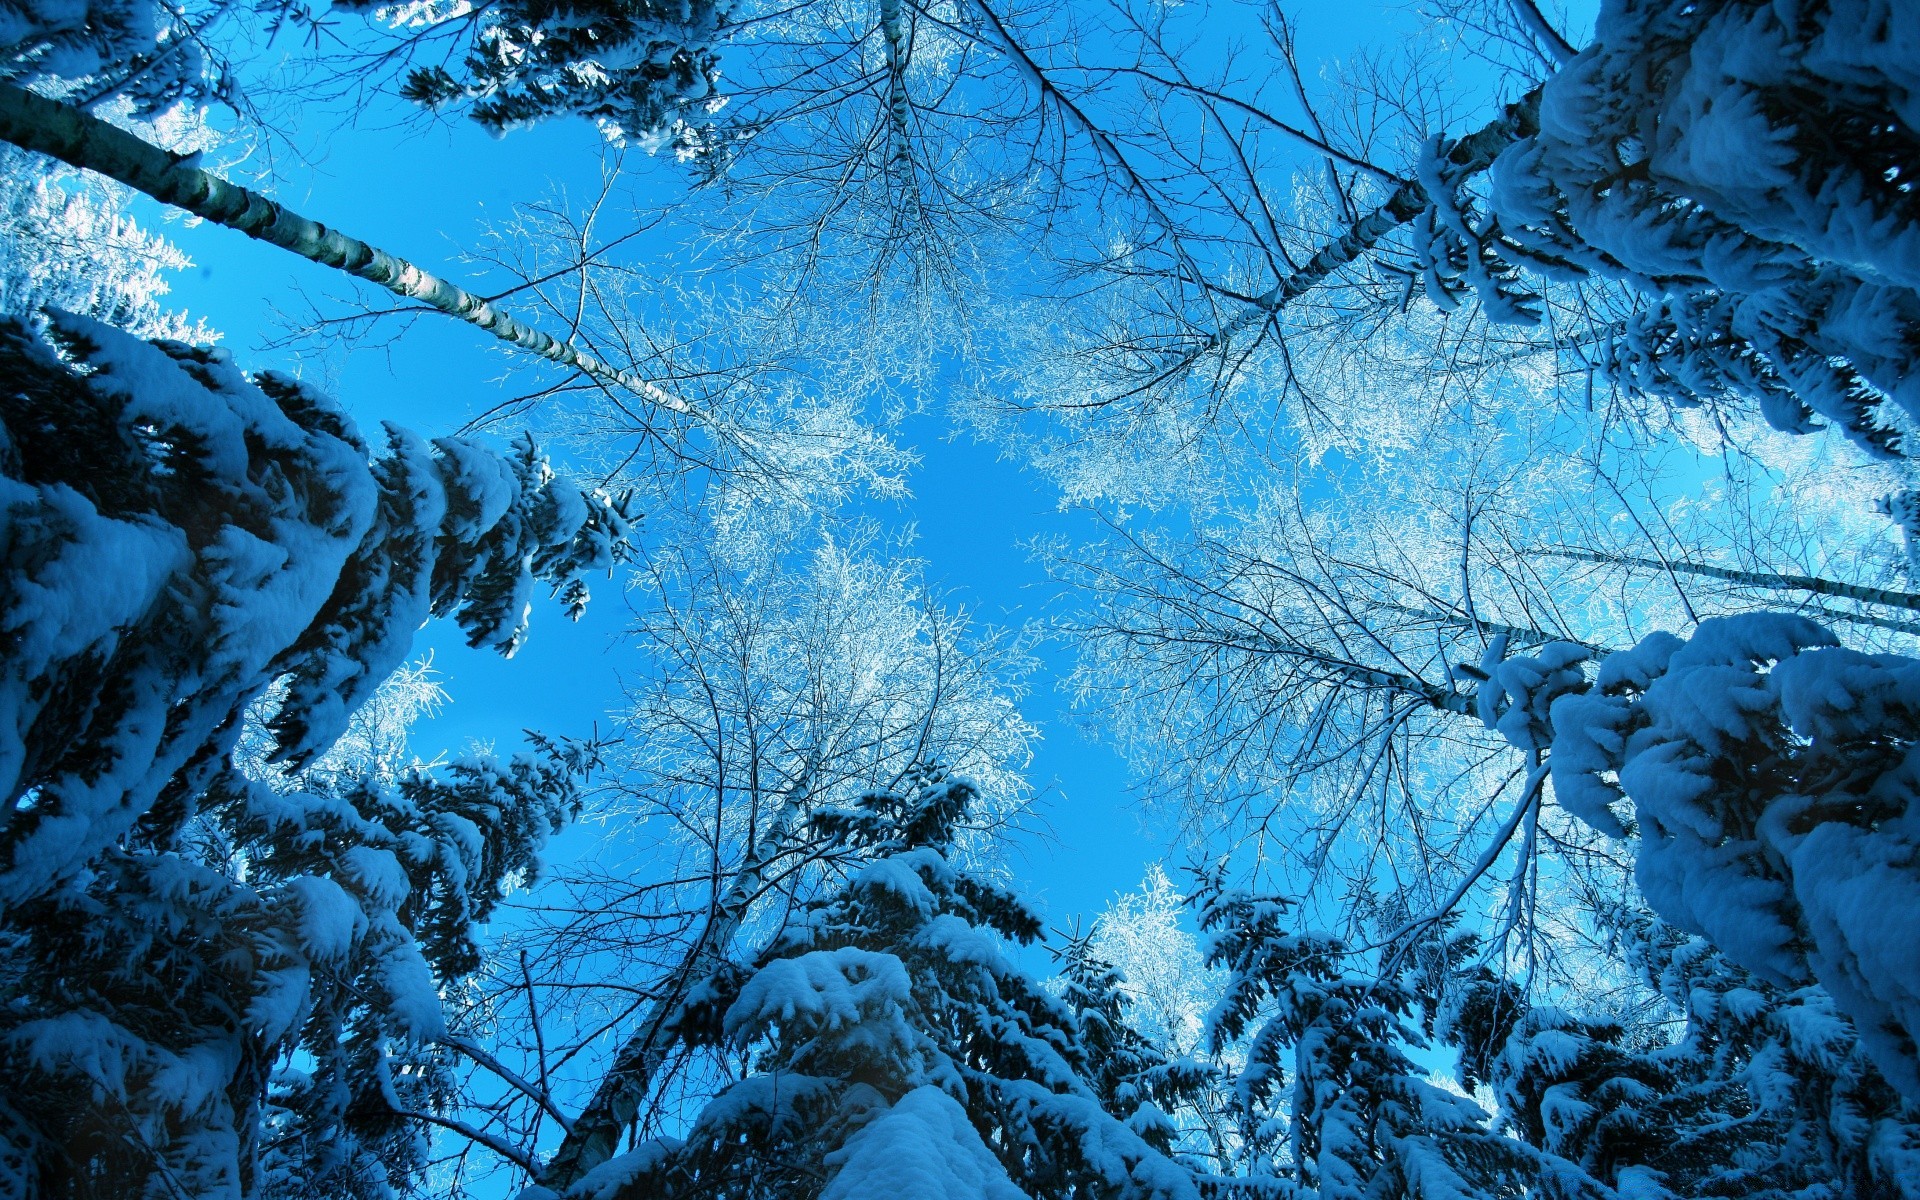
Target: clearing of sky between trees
x=1460, y=462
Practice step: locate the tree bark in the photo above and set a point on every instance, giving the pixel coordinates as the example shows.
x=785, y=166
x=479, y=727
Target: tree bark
x=595, y=1133
x=1760, y=579
x=1336, y=670
x=82, y=140
x=1521, y=635
x=1471, y=154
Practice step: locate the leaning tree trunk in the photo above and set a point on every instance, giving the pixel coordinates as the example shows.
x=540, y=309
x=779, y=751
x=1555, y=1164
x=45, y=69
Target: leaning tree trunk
x=1470, y=155
x=596, y=1133
x=1336, y=671
x=1758, y=579
x=79, y=139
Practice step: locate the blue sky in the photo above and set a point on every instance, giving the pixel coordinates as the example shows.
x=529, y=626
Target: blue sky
x=423, y=189
x=420, y=191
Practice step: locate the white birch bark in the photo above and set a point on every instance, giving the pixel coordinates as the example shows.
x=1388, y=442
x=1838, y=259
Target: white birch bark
x=1760, y=579
x=79, y=139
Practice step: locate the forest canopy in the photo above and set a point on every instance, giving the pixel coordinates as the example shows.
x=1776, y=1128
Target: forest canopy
x=1174, y=600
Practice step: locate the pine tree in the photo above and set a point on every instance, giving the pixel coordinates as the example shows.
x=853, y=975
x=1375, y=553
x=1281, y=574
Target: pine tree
x=148, y=53
x=257, y=1012
x=1131, y=1076
x=1740, y=170
x=644, y=71
x=1362, y=1121
x=181, y=537
x=182, y=540
x=1773, y=801
x=895, y=1049
x=1763, y=1093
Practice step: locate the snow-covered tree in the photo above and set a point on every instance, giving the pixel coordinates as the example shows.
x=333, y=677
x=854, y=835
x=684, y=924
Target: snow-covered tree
x=1770, y=777
x=148, y=53
x=894, y=1048
x=1761, y=1092
x=68, y=242
x=1361, y=1119
x=182, y=537
x=1133, y=1076
x=782, y=679
x=646, y=71
x=257, y=1011
x=1158, y=959
x=1743, y=170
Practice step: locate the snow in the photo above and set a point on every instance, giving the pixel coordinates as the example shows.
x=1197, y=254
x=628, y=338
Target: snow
x=328, y=921
x=1771, y=266
x=896, y=876
x=824, y=989
x=606, y=1181
x=922, y=1148
x=1711, y=740
x=377, y=875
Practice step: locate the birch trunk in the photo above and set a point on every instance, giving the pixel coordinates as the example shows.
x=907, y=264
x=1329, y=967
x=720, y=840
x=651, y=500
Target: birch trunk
x=1762, y=579
x=595, y=1134
x=1338, y=671
x=893, y=29
x=1471, y=154
x=81, y=140
x=1519, y=635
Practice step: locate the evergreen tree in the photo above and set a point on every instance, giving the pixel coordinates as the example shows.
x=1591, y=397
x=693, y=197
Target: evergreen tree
x=1131, y=1076
x=257, y=1012
x=180, y=541
x=1740, y=169
x=642, y=70
x=181, y=537
x=895, y=1050
x=1362, y=1121
x=1773, y=800
x=1764, y=1094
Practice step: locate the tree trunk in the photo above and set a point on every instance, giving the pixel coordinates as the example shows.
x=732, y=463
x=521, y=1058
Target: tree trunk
x=1762, y=579
x=1471, y=154
x=595, y=1134
x=1520, y=635
x=1339, y=671
x=81, y=140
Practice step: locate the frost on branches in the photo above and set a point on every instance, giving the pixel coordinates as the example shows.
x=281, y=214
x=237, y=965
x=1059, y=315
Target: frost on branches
x=1744, y=170
x=67, y=241
x=895, y=1050
x=180, y=539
